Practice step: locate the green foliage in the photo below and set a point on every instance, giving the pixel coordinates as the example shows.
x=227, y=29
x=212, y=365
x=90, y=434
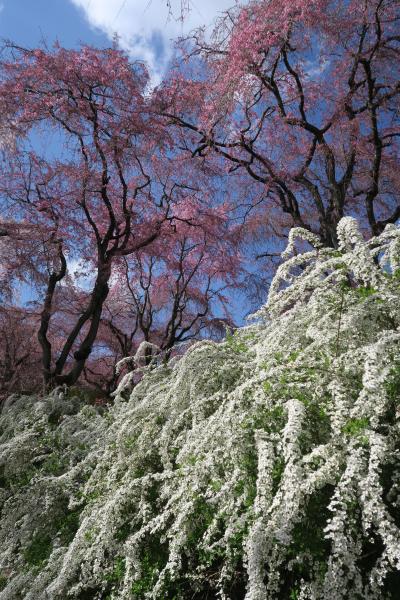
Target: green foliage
x=308, y=536
x=365, y=291
x=86, y=395
x=152, y=559
x=38, y=550
x=21, y=479
x=277, y=472
x=393, y=382
x=130, y=441
x=118, y=571
x=354, y=427
x=90, y=534
x=67, y=525
x=272, y=420
x=3, y=480
x=55, y=465
x=236, y=343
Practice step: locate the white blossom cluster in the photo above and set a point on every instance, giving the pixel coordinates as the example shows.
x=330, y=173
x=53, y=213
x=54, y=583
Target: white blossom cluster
x=264, y=467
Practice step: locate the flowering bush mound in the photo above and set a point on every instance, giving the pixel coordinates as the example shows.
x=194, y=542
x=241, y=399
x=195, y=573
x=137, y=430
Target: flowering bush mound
x=263, y=467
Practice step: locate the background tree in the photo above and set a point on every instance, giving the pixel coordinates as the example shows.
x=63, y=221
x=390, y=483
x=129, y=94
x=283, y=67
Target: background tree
x=301, y=99
x=19, y=354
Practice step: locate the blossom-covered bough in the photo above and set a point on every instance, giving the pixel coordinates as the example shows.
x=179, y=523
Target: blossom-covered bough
x=263, y=467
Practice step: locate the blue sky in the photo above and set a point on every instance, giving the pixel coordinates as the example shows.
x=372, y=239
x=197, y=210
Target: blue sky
x=27, y=22
x=144, y=28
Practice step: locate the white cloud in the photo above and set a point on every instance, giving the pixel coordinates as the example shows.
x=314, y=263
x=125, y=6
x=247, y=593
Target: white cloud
x=144, y=28
x=314, y=69
x=81, y=274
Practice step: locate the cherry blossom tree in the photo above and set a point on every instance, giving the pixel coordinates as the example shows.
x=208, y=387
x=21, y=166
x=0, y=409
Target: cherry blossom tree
x=300, y=98
x=110, y=187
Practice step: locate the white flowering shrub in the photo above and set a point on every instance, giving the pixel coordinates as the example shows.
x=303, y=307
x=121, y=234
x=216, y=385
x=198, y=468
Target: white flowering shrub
x=263, y=467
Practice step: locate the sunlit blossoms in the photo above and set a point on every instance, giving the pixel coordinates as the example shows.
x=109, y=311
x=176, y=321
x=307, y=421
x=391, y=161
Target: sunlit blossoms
x=264, y=467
